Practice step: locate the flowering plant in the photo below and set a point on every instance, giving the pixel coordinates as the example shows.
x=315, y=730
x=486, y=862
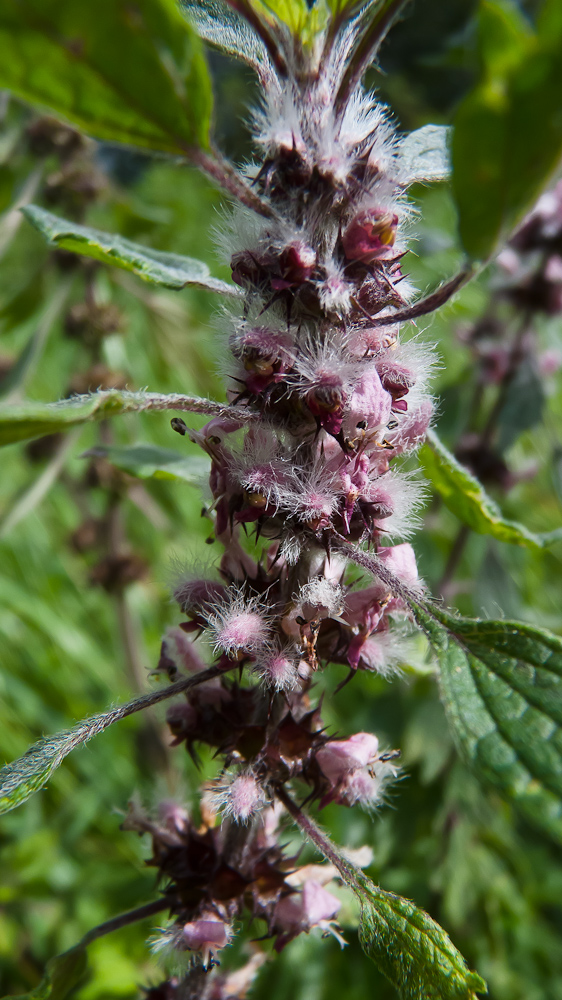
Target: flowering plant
x=310, y=498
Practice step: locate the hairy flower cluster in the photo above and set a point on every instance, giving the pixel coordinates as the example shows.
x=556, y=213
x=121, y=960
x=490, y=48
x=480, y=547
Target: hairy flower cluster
x=328, y=399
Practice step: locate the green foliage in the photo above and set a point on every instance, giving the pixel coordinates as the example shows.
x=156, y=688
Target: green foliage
x=167, y=269
x=62, y=975
x=30, y=420
x=411, y=949
x=454, y=846
x=24, y=777
x=466, y=497
x=508, y=130
x=146, y=461
x=127, y=74
x=501, y=684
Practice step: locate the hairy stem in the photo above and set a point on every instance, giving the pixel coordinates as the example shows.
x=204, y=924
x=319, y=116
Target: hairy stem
x=315, y=834
x=430, y=303
x=124, y=919
x=367, y=49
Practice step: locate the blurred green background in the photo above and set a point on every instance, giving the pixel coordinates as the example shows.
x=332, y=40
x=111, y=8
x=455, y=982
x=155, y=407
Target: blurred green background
x=72, y=643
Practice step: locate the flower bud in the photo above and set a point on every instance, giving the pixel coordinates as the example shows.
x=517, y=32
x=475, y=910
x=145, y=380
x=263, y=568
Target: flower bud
x=278, y=670
x=237, y=625
x=296, y=264
x=196, y=595
x=238, y=797
x=241, y=632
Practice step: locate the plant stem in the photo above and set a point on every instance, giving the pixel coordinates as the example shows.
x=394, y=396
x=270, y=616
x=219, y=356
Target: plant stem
x=124, y=919
x=315, y=834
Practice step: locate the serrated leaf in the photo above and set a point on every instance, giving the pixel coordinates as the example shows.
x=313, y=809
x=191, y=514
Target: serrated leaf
x=411, y=949
x=467, y=499
x=30, y=420
x=70, y=57
x=501, y=685
x=147, y=461
x=168, y=269
x=62, y=975
x=31, y=772
x=408, y=946
x=424, y=154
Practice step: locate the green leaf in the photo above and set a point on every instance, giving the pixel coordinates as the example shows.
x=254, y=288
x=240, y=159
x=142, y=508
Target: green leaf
x=123, y=72
x=27, y=775
x=424, y=154
x=31, y=772
x=62, y=975
x=479, y=138
x=30, y=420
x=467, y=499
x=507, y=138
x=501, y=684
x=168, y=269
x=147, y=461
x=410, y=948
x=522, y=408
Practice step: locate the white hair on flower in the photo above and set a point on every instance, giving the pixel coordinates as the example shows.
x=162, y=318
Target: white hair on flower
x=238, y=623
x=237, y=795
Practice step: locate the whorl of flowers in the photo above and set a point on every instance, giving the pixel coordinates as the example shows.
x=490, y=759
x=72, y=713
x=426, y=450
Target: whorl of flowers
x=315, y=357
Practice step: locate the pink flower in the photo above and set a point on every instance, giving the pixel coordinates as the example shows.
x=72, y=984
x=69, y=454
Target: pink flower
x=369, y=408
x=208, y=935
x=181, y=650
x=278, y=669
x=237, y=624
x=242, y=631
x=365, y=787
x=338, y=757
x=239, y=796
x=412, y=429
x=401, y=559
x=314, y=906
x=370, y=236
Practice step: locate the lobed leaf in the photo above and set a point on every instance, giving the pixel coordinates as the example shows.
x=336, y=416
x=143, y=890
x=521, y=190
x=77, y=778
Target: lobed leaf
x=120, y=72
x=148, y=461
x=168, y=269
x=62, y=975
x=467, y=499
